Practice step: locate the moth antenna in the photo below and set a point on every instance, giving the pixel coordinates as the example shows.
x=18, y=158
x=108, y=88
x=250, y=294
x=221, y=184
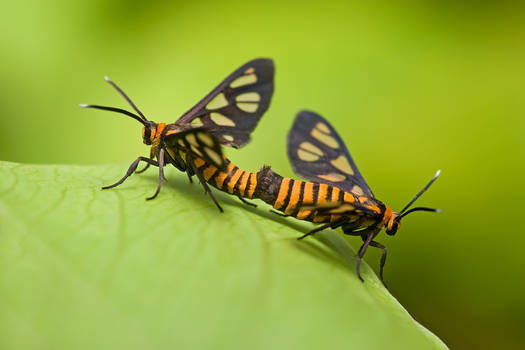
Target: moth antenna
x=419, y=209
x=123, y=94
x=421, y=192
x=113, y=109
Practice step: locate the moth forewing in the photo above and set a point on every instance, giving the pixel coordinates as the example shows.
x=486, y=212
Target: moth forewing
x=317, y=153
x=198, y=143
x=232, y=110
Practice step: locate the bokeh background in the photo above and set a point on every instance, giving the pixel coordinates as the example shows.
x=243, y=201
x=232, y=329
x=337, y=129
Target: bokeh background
x=411, y=87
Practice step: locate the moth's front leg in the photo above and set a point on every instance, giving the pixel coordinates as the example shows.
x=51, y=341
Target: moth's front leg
x=161, y=173
x=367, y=236
x=152, y=157
x=131, y=169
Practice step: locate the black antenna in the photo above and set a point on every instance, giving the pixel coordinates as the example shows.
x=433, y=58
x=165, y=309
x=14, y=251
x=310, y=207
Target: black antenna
x=419, y=194
x=126, y=97
x=118, y=110
x=419, y=209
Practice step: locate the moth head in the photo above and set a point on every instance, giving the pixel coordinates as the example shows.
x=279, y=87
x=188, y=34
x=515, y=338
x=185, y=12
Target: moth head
x=394, y=222
x=148, y=132
x=150, y=128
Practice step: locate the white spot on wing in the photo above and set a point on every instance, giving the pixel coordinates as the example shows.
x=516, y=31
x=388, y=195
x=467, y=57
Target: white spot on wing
x=192, y=140
x=214, y=156
x=206, y=138
x=218, y=101
x=197, y=122
x=244, y=80
x=248, y=97
x=248, y=107
x=219, y=119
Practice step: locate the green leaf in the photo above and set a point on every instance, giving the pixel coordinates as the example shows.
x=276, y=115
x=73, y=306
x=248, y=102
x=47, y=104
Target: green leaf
x=82, y=268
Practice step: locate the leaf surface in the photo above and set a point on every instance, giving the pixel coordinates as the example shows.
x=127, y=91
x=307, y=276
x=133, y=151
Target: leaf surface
x=82, y=268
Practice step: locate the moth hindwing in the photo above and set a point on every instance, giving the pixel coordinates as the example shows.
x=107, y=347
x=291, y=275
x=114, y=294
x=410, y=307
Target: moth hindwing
x=231, y=111
x=198, y=143
x=318, y=154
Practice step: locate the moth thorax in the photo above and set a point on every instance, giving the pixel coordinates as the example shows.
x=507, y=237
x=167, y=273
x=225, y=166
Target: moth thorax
x=388, y=218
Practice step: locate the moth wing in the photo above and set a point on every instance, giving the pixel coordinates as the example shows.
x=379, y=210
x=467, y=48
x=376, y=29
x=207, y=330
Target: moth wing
x=198, y=143
x=318, y=154
x=232, y=110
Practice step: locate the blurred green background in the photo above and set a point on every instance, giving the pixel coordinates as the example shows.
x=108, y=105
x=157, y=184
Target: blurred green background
x=411, y=88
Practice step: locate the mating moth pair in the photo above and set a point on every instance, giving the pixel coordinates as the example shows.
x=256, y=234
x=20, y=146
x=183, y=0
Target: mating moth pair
x=336, y=194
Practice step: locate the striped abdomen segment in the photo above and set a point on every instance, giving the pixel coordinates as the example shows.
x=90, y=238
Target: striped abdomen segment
x=293, y=194
x=232, y=180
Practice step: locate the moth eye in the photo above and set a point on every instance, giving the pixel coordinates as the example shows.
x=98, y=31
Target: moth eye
x=221, y=120
x=333, y=177
x=218, y=101
x=244, y=80
x=342, y=164
x=147, y=135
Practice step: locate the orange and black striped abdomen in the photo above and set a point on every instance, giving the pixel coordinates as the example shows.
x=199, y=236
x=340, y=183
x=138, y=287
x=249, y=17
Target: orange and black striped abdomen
x=288, y=196
x=232, y=180
x=292, y=197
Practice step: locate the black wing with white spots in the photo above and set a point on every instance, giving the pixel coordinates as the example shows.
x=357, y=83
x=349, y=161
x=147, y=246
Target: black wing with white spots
x=318, y=154
x=232, y=110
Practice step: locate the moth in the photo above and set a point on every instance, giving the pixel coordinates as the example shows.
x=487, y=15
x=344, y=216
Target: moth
x=226, y=116
x=338, y=195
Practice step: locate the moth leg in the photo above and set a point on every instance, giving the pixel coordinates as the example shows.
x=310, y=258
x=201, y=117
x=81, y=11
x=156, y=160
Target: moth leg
x=152, y=157
x=246, y=202
x=320, y=228
x=315, y=230
x=161, y=174
x=143, y=169
x=131, y=169
x=277, y=213
x=203, y=183
x=362, y=251
x=383, y=259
